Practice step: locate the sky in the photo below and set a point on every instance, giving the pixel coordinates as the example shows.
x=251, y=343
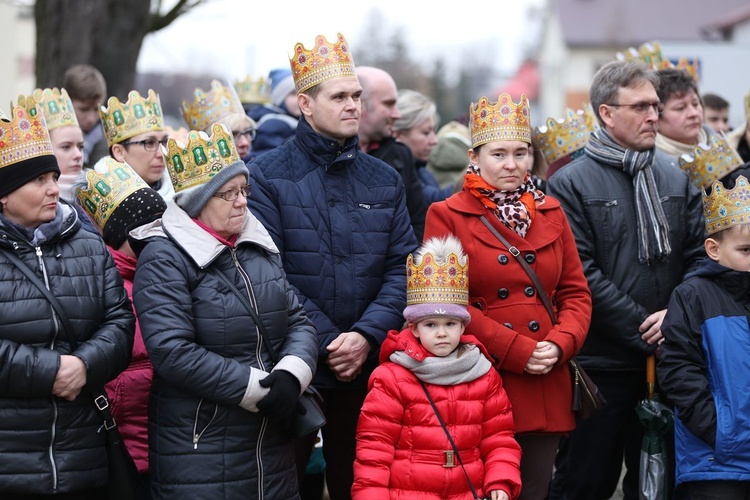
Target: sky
x=230, y=39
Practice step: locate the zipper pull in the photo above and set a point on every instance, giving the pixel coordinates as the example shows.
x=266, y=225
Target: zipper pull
x=196, y=437
x=38, y=251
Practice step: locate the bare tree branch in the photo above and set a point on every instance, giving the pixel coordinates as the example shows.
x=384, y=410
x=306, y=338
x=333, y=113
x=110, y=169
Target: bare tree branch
x=158, y=21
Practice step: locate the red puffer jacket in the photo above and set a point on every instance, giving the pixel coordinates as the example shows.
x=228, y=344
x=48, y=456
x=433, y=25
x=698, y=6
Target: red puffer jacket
x=128, y=393
x=401, y=447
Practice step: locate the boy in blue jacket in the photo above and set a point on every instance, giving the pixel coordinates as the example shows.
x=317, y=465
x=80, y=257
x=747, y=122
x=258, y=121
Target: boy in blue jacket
x=704, y=364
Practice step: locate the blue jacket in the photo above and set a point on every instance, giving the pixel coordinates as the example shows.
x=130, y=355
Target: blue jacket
x=275, y=126
x=704, y=370
x=339, y=219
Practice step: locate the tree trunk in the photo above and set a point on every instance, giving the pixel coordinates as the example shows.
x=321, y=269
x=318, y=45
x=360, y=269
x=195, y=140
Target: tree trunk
x=106, y=34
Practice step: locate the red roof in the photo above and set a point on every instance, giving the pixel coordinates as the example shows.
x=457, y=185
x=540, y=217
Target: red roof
x=525, y=81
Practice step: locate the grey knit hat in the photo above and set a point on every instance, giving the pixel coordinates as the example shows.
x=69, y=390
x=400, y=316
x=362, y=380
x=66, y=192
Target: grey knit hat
x=192, y=200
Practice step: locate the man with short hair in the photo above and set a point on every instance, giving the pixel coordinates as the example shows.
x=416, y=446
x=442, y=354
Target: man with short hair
x=716, y=113
x=379, y=111
x=339, y=219
x=638, y=224
x=87, y=89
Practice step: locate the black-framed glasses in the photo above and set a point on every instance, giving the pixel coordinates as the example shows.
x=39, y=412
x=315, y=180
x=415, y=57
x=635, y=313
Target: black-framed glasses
x=641, y=107
x=150, y=144
x=233, y=194
x=248, y=132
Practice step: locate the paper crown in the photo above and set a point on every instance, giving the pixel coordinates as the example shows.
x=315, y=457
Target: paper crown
x=747, y=107
x=725, y=208
x=55, y=105
x=440, y=276
x=107, y=188
x=500, y=121
x=710, y=162
x=201, y=158
x=323, y=62
x=212, y=106
x=24, y=135
x=136, y=116
x=563, y=140
x=253, y=91
x=650, y=53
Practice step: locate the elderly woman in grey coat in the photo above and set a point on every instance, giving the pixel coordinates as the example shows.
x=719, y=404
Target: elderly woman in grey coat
x=220, y=410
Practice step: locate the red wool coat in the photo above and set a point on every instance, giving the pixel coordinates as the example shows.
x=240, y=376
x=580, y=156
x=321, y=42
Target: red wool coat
x=401, y=445
x=128, y=393
x=506, y=313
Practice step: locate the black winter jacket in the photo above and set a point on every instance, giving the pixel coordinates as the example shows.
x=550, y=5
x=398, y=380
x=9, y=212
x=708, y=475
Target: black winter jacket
x=48, y=444
x=206, y=438
x=599, y=203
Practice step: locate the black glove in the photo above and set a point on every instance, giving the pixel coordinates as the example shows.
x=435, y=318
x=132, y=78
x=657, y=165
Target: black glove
x=280, y=404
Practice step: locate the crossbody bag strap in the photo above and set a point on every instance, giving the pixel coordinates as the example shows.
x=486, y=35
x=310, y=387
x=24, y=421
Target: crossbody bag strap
x=100, y=399
x=253, y=314
x=450, y=438
x=526, y=267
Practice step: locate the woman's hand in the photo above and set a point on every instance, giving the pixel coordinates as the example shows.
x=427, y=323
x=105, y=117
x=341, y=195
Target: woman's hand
x=543, y=358
x=280, y=404
x=498, y=495
x=70, y=378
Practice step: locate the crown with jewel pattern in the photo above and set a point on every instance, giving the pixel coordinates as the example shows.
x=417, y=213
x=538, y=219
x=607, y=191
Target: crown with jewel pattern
x=24, y=135
x=725, y=208
x=710, y=162
x=253, y=91
x=439, y=274
x=136, y=116
x=109, y=183
x=563, y=140
x=325, y=61
x=55, y=104
x=651, y=54
x=201, y=158
x=500, y=121
x=212, y=106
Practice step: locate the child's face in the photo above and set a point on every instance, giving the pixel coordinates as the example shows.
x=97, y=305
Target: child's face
x=87, y=113
x=438, y=334
x=733, y=250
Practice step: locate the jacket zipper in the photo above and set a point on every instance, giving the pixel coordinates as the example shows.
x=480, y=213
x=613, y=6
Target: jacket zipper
x=198, y=435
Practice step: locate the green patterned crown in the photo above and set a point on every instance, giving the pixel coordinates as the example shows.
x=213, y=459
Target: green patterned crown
x=136, y=116
x=108, y=185
x=202, y=158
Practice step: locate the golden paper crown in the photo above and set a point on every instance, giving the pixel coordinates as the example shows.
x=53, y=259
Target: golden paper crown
x=24, y=136
x=108, y=186
x=323, y=62
x=440, y=276
x=212, y=106
x=500, y=121
x=56, y=106
x=202, y=158
x=563, y=140
x=650, y=53
x=252, y=91
x=710, y=162
x=137, y=116
x=725, y=208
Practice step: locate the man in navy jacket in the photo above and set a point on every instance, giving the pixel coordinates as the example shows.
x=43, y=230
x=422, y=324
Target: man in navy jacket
x=339, y=219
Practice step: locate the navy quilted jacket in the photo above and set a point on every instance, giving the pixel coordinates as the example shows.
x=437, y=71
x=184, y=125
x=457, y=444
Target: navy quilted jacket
x=339, y=219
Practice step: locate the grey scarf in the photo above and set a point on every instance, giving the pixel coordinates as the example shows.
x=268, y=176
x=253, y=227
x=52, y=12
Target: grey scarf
x=653, y=227
x=446, y=370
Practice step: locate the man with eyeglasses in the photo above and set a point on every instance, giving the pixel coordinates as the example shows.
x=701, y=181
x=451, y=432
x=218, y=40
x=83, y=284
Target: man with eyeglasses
x=135, y=133
x=638, y=224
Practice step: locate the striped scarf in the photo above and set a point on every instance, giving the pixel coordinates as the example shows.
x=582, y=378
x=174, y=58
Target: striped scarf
x=653, y=227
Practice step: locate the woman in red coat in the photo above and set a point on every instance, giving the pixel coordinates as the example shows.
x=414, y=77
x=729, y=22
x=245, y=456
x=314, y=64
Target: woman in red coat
x=507, y=315
x=402, y=450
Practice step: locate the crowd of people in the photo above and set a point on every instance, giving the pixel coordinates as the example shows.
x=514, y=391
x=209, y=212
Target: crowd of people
x=432, y=285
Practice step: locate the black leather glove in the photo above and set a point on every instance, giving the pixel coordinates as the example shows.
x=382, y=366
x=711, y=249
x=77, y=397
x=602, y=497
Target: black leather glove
x=280, y=404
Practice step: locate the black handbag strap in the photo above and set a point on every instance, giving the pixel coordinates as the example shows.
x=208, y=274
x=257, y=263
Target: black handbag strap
x=450, y=439
x=100, y=399
x=253, y=314
x=526, y=267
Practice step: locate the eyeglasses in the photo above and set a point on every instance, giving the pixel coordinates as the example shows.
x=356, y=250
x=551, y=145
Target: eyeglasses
x=149, y=144
x=641, y=107
x=233, y=194
x=248, y=132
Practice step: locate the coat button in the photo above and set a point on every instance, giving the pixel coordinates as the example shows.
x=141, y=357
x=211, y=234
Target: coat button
x=508, y=325
x=534, y=326
x=529, y=291
x=530, y=258
x=503, y=293
x=503, y=259
x=331, y=203
x=478, y=305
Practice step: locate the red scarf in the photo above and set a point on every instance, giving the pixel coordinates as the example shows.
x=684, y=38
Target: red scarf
x=228, y=241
